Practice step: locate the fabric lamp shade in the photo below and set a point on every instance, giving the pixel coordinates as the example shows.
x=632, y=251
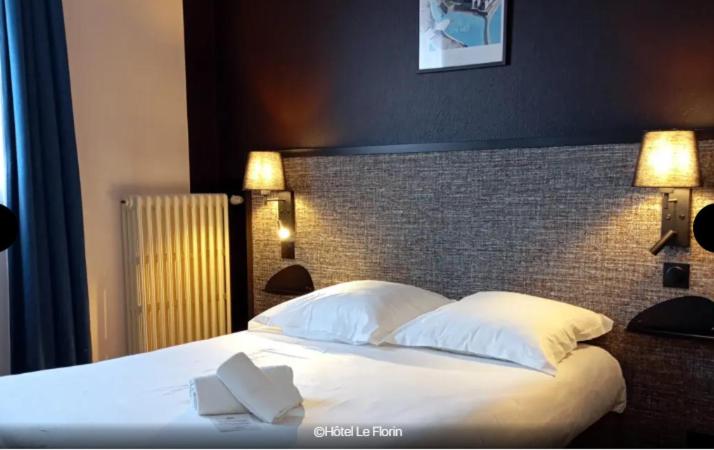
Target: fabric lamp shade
x=668, y=159
x=264, y=172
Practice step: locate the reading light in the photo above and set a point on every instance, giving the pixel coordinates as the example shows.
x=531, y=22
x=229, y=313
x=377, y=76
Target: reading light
x=669, y=160
x=283, y=233
x=264, y=173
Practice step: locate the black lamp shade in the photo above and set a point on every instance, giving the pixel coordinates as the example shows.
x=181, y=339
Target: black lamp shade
x=8, y=227
x=704, y=228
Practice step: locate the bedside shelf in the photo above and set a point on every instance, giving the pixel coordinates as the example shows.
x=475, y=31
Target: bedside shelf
x=654, y=332
x=689, y=317
x=292, y=280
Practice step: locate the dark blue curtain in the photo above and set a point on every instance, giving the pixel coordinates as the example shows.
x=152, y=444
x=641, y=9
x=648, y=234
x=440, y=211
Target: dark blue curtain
x=49, y=317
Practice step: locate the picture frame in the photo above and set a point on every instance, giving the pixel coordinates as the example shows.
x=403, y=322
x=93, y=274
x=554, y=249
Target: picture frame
x=462, y=34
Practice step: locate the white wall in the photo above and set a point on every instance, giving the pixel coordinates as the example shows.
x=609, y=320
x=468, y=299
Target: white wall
x=129, y=94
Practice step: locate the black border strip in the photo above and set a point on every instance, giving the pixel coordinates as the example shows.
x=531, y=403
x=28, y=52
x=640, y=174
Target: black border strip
x=625, y=137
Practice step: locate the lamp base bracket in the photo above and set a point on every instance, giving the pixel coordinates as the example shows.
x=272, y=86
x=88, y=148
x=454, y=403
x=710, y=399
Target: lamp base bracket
x=286, y=216
x=676, y=207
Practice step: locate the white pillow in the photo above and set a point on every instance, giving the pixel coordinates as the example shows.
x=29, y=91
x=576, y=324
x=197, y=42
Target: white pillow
x=531, y=331
x=357, y=312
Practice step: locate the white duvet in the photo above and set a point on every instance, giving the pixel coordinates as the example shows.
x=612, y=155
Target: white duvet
x=409, y=396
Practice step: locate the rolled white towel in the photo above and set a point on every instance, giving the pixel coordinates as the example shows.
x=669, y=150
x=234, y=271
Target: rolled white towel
x=211, y=397
x=264, y=398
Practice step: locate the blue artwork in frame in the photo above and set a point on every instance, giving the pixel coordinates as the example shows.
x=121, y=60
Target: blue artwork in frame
x=459, y=34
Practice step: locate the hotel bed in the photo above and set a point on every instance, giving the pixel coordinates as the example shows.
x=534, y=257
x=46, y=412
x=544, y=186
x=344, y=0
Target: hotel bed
x=430, y=397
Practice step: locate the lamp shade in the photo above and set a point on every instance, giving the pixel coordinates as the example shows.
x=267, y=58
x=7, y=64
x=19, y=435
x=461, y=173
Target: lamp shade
x=668, y=159
x=264, y=172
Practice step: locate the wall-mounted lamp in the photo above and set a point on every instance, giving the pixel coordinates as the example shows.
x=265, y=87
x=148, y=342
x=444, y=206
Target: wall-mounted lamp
x=669, y=160
x=264, y=173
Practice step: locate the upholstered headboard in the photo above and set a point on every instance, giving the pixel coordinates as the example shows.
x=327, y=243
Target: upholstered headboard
x=562, y=222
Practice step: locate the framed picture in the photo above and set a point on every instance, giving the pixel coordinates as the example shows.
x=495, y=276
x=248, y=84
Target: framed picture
x=460, y=34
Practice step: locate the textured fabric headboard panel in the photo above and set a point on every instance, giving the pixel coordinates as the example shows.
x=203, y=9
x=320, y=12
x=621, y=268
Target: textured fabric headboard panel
x=559, y=222
x=563, y=223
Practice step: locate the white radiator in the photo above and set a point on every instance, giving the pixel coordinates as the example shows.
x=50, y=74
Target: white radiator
x=176, y=269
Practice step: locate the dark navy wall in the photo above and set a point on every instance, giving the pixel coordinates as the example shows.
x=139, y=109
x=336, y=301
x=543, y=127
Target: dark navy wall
x=325, y=73
x=320, y=73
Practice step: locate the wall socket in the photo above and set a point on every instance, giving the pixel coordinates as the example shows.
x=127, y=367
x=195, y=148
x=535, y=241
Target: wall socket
x=675, y=275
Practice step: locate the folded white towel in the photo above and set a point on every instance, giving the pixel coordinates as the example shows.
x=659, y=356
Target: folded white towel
x=253, y=389
x=211, y=397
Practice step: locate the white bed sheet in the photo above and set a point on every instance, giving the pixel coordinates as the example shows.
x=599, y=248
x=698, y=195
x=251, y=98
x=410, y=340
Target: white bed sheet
x=435, y=398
